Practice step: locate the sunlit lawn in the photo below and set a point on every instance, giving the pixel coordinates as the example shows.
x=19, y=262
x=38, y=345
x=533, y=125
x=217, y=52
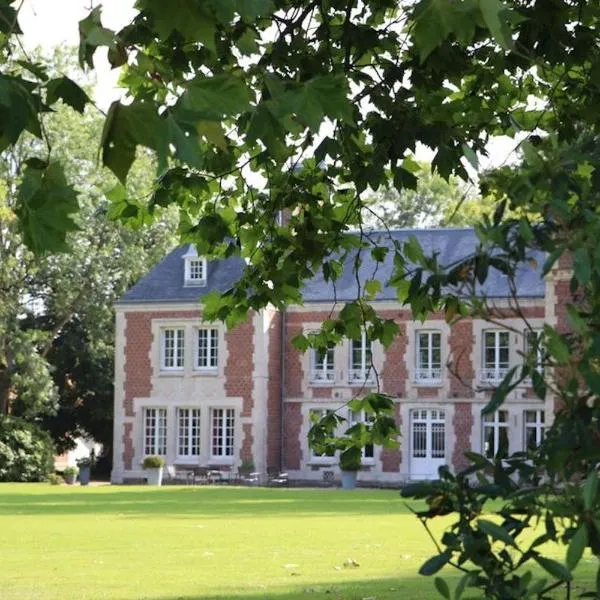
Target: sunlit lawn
x=130, y=543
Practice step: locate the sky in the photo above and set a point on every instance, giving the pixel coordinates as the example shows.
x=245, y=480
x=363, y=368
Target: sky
x=48, y=23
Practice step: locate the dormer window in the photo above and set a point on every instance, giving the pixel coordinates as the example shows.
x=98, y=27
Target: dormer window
x=195, y=267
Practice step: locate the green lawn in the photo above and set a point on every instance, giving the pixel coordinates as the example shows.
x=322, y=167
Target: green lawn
x=132, y=543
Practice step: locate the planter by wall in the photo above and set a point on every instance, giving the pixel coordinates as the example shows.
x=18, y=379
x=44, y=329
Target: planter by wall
x=349, y=479
x=154, y=476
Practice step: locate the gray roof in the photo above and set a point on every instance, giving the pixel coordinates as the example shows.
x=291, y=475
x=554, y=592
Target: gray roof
x=165, y=283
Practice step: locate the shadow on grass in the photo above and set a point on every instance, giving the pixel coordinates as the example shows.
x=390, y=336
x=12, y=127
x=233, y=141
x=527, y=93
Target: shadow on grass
x=408, y=588
x=208, y=502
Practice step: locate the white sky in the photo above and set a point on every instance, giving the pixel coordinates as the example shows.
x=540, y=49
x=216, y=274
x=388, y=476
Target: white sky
x=48, y=23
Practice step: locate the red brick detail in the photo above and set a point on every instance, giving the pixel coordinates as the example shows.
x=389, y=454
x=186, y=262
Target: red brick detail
x=391, y=459
x=529, y=312
x=394, y=365
x=274, y=394
x=322, y=392
x=138, y=344
x=563, y=295
x=293, y=362
x=427, y=392
x=247, y=439
x=461, y=348
x=127, y=446
x=240, y=366
x=292, y=448
x=462, y=424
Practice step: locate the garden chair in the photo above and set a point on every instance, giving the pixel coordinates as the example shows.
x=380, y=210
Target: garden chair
x=276, y=478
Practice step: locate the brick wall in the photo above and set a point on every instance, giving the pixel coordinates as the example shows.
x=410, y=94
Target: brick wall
x=292, y=449
x=395, y=372
x=461, y=348
x=239, y=368
x=391, y=459
x=462, y=425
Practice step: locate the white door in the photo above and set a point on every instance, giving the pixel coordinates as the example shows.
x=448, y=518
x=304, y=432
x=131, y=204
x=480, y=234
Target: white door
x=428, y=443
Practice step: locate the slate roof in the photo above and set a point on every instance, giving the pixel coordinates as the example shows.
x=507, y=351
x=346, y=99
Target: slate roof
x=165, y=283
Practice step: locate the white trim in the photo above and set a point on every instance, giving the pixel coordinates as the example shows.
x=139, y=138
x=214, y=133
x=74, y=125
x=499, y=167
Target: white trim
x=178, y=349
x=224, y=457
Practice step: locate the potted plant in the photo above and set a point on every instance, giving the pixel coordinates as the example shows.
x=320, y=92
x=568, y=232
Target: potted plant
x=70, y=475
x=350, y=461
x=153, y=465
x=85, y=466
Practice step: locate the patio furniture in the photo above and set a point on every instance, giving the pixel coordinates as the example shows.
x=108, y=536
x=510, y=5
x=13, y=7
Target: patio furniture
x=276, y=478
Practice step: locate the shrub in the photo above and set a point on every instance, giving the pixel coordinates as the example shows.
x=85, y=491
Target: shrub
x=54, y=479
x=350, y=460
x=153, y=462
x=26, y=451
x=70, y=471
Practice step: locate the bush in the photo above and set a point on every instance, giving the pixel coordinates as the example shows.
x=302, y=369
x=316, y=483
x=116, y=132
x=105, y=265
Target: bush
x=70, y=471
x=26, y=451
x=153, y=462
x=350, y=460
x=54, y=479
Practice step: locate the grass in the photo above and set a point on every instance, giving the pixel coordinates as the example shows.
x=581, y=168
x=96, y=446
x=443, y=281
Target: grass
x=204, y=543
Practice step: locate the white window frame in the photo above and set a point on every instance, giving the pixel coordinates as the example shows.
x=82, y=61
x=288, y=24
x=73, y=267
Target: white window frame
x=363, y=375
x=495, y=373
x=314, y=458
x=538, y=425
x=368, y=451
x=322, y=369
x=189, y=433
x=193, y=264
x=178, y=358
x=430, y=373
x=224, y=430
x=212, y=343
x=155, y=441
x=494, y=423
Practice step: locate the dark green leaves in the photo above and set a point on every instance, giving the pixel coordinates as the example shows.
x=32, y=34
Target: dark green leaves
x=46, y=205
x=68, y=91
x=91, y=35
x=495, y=14
x=435, y=563
x=576, y=547
x=496, y=532
x=556, y=569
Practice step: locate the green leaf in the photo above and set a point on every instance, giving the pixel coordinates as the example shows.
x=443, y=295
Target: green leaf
x=212, y=98
x=576, y=547
x=582, y=266
x=68, y=91
x=496, y=532
x=435, y=563
x=442, y=587
x=462, y=584
x=470, y=156
x=539, y=385
x=372, y=287
x=590, y=489
x=494, y=13
x=556, y=569
x=126, y=127
x=8, y=19
x=556, y=345
x=45, y=205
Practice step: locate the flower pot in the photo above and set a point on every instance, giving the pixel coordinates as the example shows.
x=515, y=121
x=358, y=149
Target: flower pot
x=349, y=479
x=154, y=476
x=84, y=475
x=70, y=479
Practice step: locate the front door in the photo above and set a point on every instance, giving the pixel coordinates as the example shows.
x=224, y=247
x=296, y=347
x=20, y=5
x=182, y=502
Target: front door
x=428, y=443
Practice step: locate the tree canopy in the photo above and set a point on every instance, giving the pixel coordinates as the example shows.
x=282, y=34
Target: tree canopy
x=254, y=107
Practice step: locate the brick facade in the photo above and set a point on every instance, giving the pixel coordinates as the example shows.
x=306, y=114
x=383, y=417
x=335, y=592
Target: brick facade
x=462, y=425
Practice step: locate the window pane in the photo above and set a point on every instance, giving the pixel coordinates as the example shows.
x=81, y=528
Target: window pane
x=503, y=416
x=438, y=442
x=419, y=440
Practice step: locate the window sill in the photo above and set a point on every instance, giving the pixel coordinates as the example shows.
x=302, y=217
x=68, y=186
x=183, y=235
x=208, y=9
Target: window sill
x=171, y=373
x=221, y=460
x=192, y=283
x=429, y=383
x=205, y=372
x=322, y=463
x=323, y=383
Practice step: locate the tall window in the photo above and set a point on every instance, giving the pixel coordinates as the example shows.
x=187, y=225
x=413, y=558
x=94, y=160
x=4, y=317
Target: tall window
x=495, y=434
x=534, y=351
x=315, y=414
x=361, y=360
x=188, y=432
x=172, y=348
x=495, y=356
x=534, y=428
x=429, y=357
x=155, y=431
x=207, y=356
x=357, y=417
x=322, y=365
x=222, y=432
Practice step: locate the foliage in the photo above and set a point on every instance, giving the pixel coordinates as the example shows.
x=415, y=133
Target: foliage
x=153, y=462
x=70, y=472
x=54, y=479
x=26, y=451
x=232, y=97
